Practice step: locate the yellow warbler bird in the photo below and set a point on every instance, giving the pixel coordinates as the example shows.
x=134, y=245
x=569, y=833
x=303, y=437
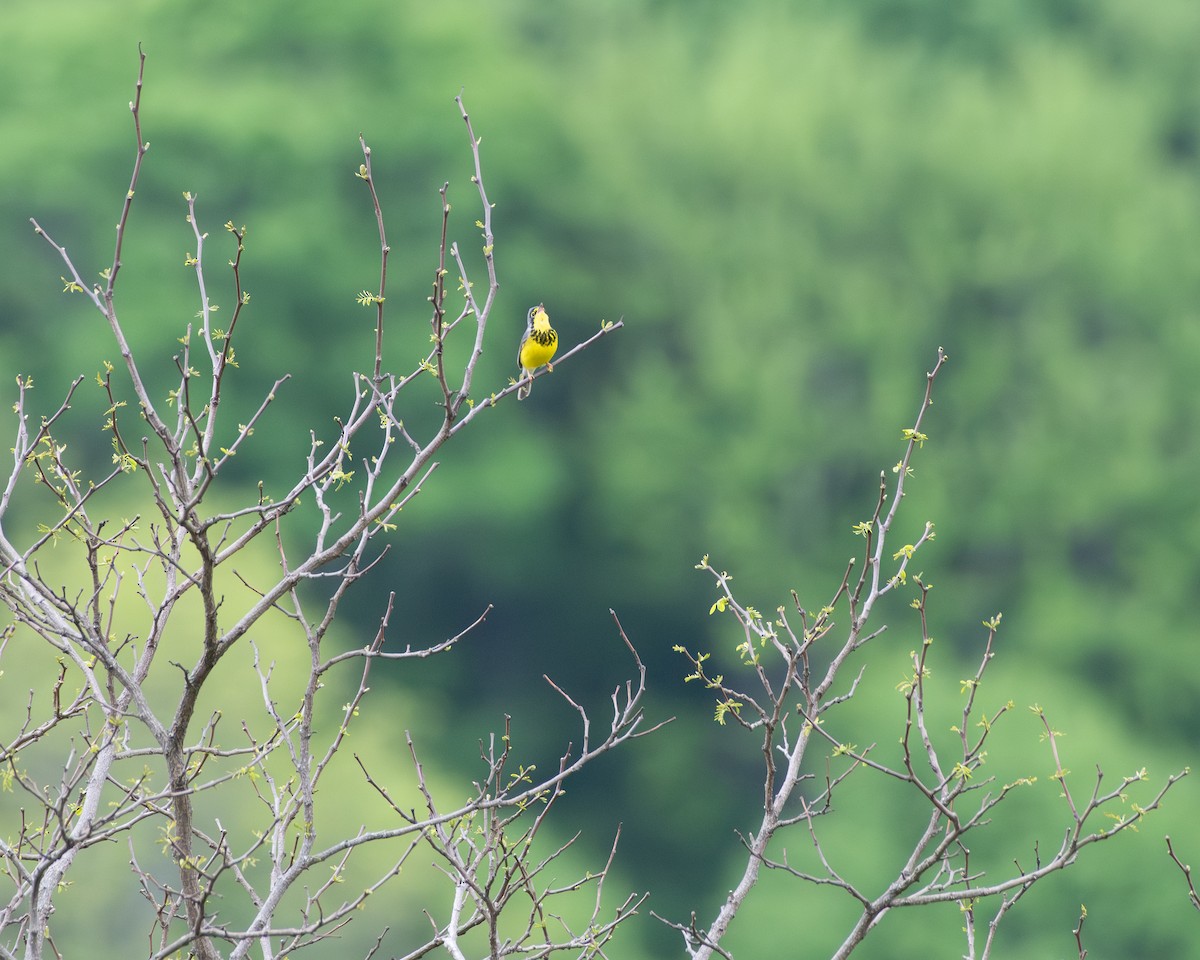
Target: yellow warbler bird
x=537, y=347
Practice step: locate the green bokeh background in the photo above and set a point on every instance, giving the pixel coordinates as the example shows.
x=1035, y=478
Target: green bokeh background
x=792, y=205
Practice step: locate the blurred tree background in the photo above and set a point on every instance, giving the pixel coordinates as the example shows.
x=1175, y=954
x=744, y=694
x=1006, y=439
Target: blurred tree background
x=792, y=205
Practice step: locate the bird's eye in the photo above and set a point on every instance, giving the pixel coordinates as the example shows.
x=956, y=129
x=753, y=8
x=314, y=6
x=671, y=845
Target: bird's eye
x=532, y=312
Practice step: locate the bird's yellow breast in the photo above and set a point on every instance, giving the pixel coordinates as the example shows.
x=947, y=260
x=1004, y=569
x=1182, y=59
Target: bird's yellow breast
x=538, y=350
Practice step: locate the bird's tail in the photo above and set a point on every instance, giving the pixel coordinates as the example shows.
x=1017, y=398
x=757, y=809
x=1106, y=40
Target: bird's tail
x=523, y=389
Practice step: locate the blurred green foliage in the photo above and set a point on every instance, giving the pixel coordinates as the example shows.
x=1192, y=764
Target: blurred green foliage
x=792, y=205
